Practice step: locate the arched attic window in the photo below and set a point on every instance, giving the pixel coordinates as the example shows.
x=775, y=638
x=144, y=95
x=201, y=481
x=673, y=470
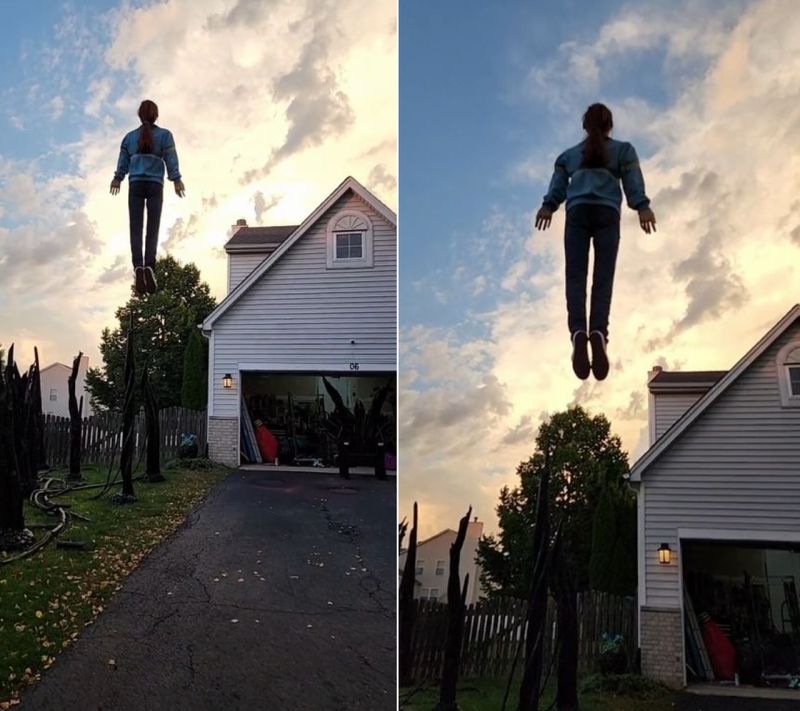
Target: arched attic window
x=349, y=240
x=789, y=374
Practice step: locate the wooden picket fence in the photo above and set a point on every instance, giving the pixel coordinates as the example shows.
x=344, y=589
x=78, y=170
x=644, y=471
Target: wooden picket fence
x=494, y=630
x=101, y=436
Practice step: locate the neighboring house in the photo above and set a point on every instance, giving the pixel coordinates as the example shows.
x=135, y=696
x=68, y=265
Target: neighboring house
x=720, y=487
x=55, y=393
x=304, y=301
x=433, y=564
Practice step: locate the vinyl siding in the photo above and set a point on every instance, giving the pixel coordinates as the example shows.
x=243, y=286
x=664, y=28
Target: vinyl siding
x=736, y=468
x=240, y=265
x=669, y=407
x=300, y=312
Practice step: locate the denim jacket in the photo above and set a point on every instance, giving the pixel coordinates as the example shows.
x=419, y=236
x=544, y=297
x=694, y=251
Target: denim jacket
x=597, y=186
x=148, y=166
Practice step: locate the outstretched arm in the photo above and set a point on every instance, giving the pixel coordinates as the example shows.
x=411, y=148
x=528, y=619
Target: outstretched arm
x=556, y=194
x=633, y=184
x=123, y=163
x=171, y=159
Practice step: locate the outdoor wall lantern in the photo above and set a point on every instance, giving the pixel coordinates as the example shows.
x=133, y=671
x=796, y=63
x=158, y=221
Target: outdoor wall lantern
x=227, y=381
x=664, y=554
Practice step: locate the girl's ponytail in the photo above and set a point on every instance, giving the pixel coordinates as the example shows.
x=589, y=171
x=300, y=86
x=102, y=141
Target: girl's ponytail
x=148, y=114
x=597, y=122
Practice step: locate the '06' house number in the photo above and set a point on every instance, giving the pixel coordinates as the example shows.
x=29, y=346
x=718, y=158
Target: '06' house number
x=354, y=366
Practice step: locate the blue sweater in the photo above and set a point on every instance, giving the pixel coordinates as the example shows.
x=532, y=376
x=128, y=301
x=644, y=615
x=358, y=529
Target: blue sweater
x=597, y=186
x=148, y=166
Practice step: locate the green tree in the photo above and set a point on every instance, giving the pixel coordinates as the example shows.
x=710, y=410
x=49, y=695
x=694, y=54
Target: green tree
x=194, y=393
x=612, y=566
x=585, y=460
x=163, y=323
x=604, y=542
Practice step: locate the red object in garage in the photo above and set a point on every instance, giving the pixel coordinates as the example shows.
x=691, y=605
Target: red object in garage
x=720, y=649
x=267, y=444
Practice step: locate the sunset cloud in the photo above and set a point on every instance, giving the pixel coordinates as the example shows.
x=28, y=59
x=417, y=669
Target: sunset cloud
x=721, y=169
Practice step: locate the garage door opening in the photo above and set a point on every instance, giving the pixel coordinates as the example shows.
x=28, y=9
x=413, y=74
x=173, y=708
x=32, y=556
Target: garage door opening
x=300, y=419
x=742, y=613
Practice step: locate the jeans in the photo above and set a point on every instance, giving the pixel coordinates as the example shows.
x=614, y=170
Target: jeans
x=584, y=223
x=139, y=193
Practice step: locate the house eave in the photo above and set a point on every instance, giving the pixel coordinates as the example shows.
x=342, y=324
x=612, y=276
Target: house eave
x=348, y=183
x=689, y=417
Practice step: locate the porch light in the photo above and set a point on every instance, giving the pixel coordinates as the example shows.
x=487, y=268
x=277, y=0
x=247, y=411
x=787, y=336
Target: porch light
x=227, y=381
x=664, y=554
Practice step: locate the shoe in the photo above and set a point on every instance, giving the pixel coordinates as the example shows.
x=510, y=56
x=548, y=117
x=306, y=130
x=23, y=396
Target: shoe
x=599, y=356
x=139, y=281
x=580, y=354
x=150, y=280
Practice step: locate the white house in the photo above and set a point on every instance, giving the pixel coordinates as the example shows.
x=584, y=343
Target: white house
x=433, y=564
x=306, y=301
x=719, y=507
x=55, y=394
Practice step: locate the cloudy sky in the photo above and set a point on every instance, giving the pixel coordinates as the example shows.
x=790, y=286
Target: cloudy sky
x=708, y=92
x=272, y=104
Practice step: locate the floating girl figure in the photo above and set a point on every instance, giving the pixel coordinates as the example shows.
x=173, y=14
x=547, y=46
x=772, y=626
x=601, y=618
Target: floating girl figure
x=588, y=176
x=144, y=153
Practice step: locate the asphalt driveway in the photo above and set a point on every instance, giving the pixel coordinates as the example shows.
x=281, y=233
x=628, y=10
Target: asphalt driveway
x=278, y=593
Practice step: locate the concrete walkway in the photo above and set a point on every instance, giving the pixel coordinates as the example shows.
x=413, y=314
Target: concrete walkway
x=695, y=702
x=279, y=593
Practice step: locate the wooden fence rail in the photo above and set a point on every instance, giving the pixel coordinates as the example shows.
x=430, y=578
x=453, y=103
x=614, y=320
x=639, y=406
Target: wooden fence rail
x=494, y=630
x=101, y=437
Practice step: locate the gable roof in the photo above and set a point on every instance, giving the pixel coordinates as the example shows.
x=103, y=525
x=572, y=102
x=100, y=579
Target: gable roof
x=56, y=364
x=348, y=183
x=678, y=379
x=271, y=236
x=436, y=535
x=691, y=415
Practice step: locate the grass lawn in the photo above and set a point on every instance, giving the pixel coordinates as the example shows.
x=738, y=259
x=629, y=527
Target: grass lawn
x=487, y=695
x=46, y=600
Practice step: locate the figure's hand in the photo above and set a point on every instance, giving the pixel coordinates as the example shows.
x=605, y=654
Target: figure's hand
x=543, y=218
x=180, y=190
x=115, y=187
x=647, y=220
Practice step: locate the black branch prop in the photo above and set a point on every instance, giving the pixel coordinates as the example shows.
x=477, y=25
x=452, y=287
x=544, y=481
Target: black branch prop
x=406, y=607
x=41, y=451
x=127, y=495
x=456, y=606
x=75, y=423
x=402, y=529
x=153, y=432
x=564, y=585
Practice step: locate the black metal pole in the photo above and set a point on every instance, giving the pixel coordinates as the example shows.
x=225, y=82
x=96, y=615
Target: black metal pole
x=380, y=460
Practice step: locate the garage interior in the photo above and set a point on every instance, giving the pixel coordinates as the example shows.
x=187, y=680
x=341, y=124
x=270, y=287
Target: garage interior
x=742, y=613
x=302, y=417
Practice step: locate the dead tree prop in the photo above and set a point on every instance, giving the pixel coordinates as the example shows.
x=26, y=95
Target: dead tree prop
x=406, y=606
x=456, y=606
x=127, y=495
x=153, y=469
x=75, y=423
x=12, y=521
x=23, y=434
x=546, y=549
